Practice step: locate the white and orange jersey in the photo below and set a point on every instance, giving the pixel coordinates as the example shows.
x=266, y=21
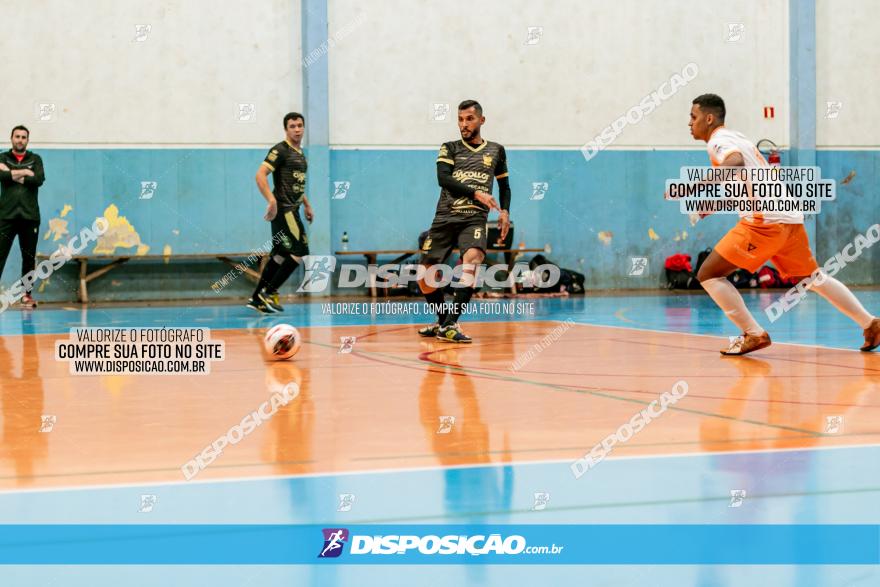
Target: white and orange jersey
x=722, y=142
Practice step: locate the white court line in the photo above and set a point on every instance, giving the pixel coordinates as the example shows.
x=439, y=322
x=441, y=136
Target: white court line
x=435, y=468
x=716, y=336
x=536, y=318
x=511, y=147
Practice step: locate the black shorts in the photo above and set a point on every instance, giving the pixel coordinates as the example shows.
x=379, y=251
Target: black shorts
x=289, y=234
x=445, y=234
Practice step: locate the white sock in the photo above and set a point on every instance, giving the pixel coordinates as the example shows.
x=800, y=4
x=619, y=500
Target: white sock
x=843, y=299
x=729, y=300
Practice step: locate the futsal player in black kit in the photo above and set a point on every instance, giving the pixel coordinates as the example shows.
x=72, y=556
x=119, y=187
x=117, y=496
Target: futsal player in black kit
x=287, y=164
x=465, y=172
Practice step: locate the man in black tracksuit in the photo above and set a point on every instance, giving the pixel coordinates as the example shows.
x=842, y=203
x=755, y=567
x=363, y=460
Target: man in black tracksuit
x=21, y=175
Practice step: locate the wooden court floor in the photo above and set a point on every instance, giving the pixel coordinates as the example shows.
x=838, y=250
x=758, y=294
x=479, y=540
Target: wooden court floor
x=386, y=405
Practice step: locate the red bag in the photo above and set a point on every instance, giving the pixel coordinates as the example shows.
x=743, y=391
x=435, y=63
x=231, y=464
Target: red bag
x=679, y=262
x=768, y=277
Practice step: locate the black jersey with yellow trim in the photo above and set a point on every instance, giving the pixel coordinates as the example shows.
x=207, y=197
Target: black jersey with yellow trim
x=288, y=166
x=475, y=166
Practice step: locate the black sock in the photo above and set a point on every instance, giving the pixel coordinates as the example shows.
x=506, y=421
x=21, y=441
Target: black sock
x=282, y=274
x=460, y=300
x=268, y=273
x=437, y=299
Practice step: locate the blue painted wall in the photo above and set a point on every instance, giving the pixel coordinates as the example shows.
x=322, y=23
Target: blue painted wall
x=210, y=198
x=206, y=201
x=394, y=193
x=857, y=207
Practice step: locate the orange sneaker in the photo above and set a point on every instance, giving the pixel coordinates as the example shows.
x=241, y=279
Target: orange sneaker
x=746, y=343
x=872, y=336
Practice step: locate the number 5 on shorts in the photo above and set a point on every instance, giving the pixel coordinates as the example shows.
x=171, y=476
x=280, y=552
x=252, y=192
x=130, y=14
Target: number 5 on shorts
x=478, y=232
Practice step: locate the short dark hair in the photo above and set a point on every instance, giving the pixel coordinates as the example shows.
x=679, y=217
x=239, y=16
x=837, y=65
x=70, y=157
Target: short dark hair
x=468, y=103
x=20, y=127
x=293, y=116
x=713, y=104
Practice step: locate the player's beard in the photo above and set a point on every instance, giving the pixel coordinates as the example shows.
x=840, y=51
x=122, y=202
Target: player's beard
x=468, y=135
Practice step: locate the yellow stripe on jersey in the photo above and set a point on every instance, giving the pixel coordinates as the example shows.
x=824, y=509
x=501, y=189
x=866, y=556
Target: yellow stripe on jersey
x=450, y=161
x=269, y=166
x=475, y=149
x=502, y=175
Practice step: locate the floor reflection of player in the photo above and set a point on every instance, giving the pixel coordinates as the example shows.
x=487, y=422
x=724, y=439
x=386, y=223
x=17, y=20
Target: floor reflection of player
x=22, y=404
x=785, y=408
x=289, y=445
x=792, y=475
x=465, y=442
x=715, y=433
x=473, y=494
x=777, y=473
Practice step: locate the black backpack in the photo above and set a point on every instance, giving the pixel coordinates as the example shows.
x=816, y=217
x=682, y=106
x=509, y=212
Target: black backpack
x=742, y=279
x=680, y=279
x=572, y=281
x=701, y=258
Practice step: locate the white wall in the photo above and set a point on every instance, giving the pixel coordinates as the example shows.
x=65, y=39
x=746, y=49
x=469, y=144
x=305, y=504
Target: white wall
x=848, y=71
x=179, y=86
x=595, y=60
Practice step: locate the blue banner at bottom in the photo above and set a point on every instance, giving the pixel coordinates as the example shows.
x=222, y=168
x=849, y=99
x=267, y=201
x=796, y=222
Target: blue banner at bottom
x=440, y=544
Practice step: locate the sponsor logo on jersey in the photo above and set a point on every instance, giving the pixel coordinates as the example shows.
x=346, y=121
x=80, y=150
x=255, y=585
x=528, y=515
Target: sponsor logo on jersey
x=480, y=176
x=466, y=206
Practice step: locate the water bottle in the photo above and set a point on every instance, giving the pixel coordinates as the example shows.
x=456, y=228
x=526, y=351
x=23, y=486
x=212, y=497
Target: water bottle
x=344, y=241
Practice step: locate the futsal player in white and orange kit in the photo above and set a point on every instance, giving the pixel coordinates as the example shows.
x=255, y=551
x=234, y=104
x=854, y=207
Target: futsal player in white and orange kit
x=779, y=237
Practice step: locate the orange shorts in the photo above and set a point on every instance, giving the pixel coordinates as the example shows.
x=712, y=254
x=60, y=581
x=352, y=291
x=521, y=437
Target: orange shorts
x=749, y=246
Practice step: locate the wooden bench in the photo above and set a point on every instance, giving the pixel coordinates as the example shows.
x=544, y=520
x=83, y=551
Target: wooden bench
x=116, y=260
x=372, y=258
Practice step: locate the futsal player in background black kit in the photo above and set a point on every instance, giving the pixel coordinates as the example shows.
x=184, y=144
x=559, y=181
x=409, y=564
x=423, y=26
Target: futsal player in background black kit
x=465, y=172
x=287, y=164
